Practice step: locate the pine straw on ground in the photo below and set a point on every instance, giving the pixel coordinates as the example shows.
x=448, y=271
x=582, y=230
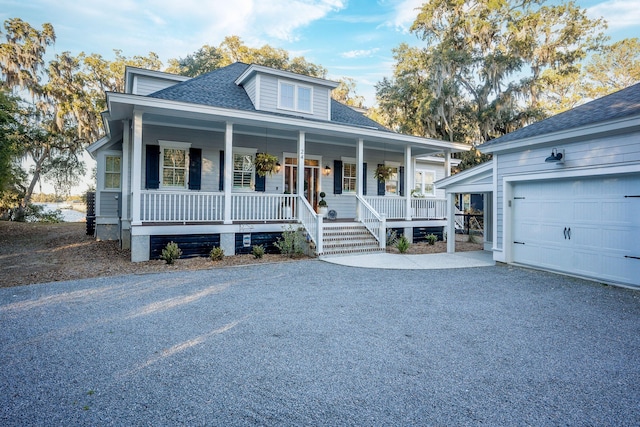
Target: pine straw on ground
x=41, y=253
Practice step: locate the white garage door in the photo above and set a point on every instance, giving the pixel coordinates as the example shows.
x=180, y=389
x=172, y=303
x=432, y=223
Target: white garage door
x=588, y=227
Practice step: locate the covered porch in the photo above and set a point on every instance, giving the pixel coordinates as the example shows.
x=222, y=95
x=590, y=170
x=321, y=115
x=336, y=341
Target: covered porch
x=219, y=190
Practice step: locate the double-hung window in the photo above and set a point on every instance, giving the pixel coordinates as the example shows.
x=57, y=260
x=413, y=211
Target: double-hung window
x=174, y=162
x=349, y=175
x=423, y=183
x=112, y=172
x=296, y=97
x=243, y=169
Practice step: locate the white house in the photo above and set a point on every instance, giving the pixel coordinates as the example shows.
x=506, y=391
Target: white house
x=566, y=191
x=177, y=163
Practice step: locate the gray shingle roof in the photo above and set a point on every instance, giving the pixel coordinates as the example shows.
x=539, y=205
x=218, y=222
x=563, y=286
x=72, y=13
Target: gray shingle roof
x=218, y=89
x=617, y=105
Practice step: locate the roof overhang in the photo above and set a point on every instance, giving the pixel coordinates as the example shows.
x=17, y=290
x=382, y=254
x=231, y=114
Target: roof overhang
x=478, y=179
x=594, y=130
x=121, y=107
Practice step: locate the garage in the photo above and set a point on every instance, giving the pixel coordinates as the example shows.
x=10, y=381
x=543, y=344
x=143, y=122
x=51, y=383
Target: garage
x=588, y=227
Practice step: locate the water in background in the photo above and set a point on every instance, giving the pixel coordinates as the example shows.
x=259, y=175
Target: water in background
x=69, y=215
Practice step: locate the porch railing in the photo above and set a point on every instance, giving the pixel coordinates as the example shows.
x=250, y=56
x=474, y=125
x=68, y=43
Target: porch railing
x=375, y=223
x=166, y=206
x=263, y=207
x=392, y=206
x=428, y=208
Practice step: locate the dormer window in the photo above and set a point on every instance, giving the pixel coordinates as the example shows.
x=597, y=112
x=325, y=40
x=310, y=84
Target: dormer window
x=294, y=97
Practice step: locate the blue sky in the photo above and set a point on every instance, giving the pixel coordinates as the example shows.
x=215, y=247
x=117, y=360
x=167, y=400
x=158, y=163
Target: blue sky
x=351, y=38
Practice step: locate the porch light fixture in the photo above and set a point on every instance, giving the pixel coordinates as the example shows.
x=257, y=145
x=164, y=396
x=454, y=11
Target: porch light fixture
x=278, y=167
x=556, y=157
x=327, y=170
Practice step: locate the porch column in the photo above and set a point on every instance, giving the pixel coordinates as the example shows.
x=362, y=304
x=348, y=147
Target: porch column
x=300, y=183
x=408, y=178
x=447, y=163
x=451, y=223
x=136, y=178
x=126, y=144
x=359, y=167
x=228, y=171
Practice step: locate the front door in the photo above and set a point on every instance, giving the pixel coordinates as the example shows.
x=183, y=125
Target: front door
x=311, y=178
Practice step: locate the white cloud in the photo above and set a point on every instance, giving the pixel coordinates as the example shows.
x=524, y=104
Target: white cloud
x=359, y=53
x=403, y=15
x=618, y=13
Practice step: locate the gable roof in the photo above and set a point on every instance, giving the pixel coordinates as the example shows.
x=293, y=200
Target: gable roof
x=618, y=105
x=218, y=88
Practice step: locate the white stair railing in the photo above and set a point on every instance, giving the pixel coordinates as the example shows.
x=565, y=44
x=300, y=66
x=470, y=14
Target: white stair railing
x=312, y=223
x=373, y=221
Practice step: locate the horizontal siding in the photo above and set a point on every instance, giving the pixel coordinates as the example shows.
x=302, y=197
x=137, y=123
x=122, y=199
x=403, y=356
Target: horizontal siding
x=144, y=85
x=597, y=153
x=267, y=240
x=250, y=88
x=191, y=245
x=269, y=98
x=108, y=203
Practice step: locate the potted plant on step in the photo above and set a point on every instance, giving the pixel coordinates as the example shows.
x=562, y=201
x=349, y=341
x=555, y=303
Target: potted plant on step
x=322, y=205
x=265, y=164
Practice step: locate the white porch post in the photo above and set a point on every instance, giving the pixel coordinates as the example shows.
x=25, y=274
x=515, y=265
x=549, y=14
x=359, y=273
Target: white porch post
x=126, y=144
x=228, y=171
x=300, y=183
x=408, y=175
x=447, y=163
x=136, y=178
x=451, y=223
x=359, y=178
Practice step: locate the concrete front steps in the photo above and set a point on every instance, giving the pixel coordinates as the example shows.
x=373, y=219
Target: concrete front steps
x=347, y=238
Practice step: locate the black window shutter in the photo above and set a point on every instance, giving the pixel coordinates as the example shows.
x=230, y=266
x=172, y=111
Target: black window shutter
x=152, y=178
x=381, y=185
x=401, y=170
x=221, y=180
x=337, y=177
x=261, y=182
x=364, y=179
x=195, y=168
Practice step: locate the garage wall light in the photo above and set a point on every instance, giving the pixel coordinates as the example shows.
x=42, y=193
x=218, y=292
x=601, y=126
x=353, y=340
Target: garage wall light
x=556, y=157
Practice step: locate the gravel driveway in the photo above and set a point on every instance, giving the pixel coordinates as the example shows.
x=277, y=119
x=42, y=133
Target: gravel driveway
x=312, y=343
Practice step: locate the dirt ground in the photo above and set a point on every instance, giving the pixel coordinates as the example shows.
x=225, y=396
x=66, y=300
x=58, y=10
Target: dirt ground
x=40, y=253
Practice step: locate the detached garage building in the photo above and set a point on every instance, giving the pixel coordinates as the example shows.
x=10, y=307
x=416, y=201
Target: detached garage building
x=567, y=191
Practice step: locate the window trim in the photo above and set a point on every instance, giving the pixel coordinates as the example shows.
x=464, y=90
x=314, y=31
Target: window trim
x=296, y=96
x=252, y=185
x=433, y=173
x=175, y=145
x=395, y=165
x=102, y=178
x=350, y=161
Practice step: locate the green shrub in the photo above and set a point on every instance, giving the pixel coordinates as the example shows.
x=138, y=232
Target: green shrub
x=171, y=252
x=403, y=244
x=216, y=254
x=431, y=239
x=291, y=243
x=257, y=251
